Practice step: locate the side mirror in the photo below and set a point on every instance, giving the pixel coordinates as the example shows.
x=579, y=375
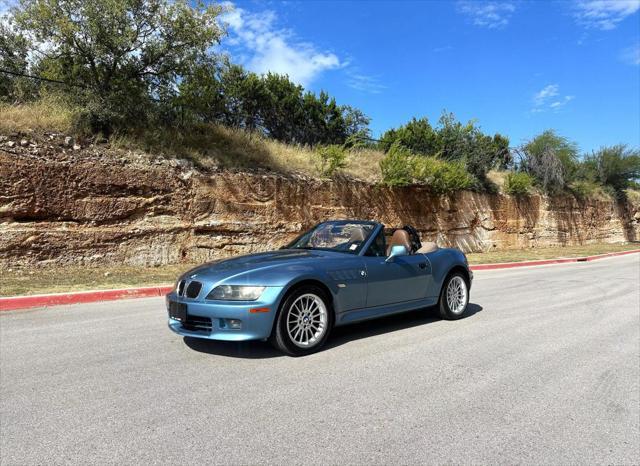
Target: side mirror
x=397, y=250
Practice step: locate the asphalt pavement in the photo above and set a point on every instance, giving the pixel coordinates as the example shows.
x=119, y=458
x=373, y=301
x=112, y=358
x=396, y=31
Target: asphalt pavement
x=545, y=369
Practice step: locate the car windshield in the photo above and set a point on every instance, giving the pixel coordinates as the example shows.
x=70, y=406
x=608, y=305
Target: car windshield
x=344, y=236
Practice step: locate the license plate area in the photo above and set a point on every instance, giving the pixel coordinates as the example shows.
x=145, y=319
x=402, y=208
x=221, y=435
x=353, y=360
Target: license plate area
x=178, y=311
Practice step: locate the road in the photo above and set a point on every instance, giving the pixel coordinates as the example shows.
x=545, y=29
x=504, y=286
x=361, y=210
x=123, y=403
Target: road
x=546, y=369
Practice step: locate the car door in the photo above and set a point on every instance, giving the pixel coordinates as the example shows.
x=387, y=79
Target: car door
x=404, y=278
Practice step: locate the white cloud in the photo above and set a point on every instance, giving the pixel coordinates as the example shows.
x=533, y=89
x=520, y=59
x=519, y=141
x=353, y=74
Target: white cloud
x=604, y=14
x=549, y=98
x=268, y=48
x=545, y=94
x=631, y=55
x=492, y=15
x=364, y=83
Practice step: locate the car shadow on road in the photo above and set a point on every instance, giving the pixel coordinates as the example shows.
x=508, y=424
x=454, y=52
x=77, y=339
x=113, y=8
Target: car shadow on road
x=339, y=336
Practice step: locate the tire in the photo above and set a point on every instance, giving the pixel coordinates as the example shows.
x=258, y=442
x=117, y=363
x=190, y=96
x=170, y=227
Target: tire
x=454, y=297
x=295, y=336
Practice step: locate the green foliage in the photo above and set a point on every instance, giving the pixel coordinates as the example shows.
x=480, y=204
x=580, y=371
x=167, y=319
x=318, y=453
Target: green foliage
x=271, y=104
x=332, y=159
x=617, y=167
x=14, y=48
x=397, y=166
x=518, y=183
x=451, y=140
x=564, y=150
x=584, y=189
x=401, y=167
x=417, y=135
x=123, y=54
x=552, y=160
x=443, y=177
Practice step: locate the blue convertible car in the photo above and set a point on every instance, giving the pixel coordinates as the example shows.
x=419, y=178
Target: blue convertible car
x=336, y=273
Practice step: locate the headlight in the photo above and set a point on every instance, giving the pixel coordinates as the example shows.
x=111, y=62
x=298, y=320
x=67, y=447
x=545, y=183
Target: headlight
x=236, y=293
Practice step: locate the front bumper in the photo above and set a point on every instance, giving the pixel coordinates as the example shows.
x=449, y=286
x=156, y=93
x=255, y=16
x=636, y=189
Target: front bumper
x=255, y=326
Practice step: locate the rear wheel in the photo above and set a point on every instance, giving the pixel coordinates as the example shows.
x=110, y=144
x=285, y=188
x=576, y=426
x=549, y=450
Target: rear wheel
x=454, y=297
x=304, y=322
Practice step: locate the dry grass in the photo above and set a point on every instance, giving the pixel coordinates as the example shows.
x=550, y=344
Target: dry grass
x=633, y=196
x=209, y=146
x=498, y=178
x=519, y=255
x=48, y=114
x=365, y=164
x=215, y=146
x=17, y=282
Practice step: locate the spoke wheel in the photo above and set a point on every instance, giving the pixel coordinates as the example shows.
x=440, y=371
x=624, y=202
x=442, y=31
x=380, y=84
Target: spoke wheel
x=454, y=297
x=304, y=321
x=457, y=295
x=307, y=320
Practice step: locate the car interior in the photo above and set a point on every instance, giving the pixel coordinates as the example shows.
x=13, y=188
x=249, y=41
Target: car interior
x=381, y=246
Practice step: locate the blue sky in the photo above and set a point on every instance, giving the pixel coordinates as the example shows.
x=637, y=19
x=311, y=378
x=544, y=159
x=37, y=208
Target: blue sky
x=516, y=67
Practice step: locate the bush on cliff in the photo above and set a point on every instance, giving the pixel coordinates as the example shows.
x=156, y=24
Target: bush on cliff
x=518, y=184
x=616, y=167
x=400, y=168
x=551, y=160
x=443, y=177
x=452, y=141
x=397, y=166
x=332, y=159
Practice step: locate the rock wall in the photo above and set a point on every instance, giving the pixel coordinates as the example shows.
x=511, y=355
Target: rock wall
x=104, y=209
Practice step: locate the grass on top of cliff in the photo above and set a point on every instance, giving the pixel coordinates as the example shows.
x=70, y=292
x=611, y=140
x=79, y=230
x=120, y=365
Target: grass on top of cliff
x=51, y=279
x=209, y=146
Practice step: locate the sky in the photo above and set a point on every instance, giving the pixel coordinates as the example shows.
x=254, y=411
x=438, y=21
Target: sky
x=515, y=67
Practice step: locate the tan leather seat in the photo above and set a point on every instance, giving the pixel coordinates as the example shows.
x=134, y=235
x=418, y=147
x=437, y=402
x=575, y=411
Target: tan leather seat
x=356, y=235
x=427, y=247
x=400, y=237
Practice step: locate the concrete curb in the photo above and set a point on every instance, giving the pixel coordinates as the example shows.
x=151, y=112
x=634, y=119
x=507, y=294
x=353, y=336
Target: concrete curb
x=511, y=265
x=14, y=303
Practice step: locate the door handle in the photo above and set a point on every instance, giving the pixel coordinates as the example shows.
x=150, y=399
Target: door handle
x=422, y=265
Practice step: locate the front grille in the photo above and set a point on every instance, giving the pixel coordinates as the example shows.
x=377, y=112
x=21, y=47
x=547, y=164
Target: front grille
x=197, y=323
x=180, y=288
x=193, y=290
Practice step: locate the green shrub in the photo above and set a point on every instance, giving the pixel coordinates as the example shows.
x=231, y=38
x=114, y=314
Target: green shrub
x=443, y=177
x=332, y=159
x=587, y=189
x=397, y=166
x=518, y=183
x=617, y=167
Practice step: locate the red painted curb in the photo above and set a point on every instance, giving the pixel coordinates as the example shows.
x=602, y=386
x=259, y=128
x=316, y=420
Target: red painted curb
x=510, y=265
x=14, y=303
x=24, y=302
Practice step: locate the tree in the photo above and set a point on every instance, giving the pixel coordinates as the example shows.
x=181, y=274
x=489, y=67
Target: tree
x=466, y=142
x=14, y=48
x=550, y=144
x=417, y=135
x=551, y=159
x=615, y=166
x=122, y=52
x=283, y=112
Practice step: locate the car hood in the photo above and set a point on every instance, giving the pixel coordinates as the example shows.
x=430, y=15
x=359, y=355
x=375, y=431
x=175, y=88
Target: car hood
x=264, y=268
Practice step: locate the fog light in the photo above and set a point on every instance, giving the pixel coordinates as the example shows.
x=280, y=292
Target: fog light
x=234, y=324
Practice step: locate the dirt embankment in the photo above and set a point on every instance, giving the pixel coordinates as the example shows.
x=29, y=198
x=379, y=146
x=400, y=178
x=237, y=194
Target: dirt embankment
x=96, y=206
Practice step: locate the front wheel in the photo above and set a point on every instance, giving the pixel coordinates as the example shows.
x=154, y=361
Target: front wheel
x=454, y=297
x=303, y=323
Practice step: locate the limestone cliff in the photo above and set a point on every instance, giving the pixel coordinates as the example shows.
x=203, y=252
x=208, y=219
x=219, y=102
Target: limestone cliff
x=92, y=207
